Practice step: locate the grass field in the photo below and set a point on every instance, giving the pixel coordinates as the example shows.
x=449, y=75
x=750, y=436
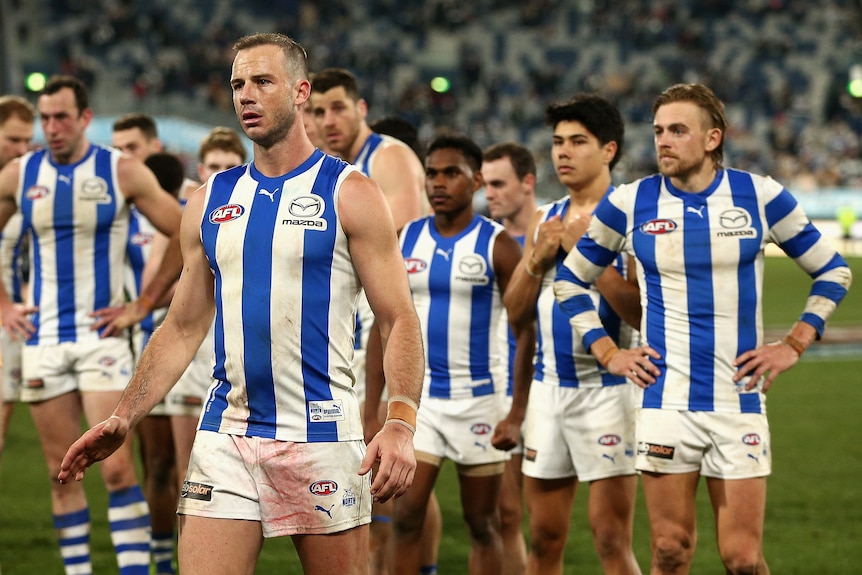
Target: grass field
x=814, y=513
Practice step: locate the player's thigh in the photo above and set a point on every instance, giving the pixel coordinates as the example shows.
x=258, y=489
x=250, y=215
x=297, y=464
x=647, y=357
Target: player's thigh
x=342, y=552
x=670, y=503
x=58, y=423
x=209, y=546
x=740, y=508
x=183, y=430
x=612, y=502
x=480, y=490
x=156, y=441
x=549, y=503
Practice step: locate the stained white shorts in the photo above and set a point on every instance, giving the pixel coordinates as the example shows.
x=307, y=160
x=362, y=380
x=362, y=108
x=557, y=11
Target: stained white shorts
x=98, y=365
x=290, y=488
x=11, y=370
x=460, y=429
x=720, y=445
x=583, y=432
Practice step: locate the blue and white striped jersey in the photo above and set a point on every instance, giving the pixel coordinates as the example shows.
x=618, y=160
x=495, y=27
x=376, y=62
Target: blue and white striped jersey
x=285, y=296
x=458, y=301
x=561, y=358
x=79, y=222
x=11, y=248
x=700, y=270
x=141, y=235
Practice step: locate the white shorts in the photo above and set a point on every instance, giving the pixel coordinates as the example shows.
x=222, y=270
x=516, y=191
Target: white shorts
x=720, y=445
x=186, y=398
x=11, y=369
x=290, y=488
x=460, y=429
x=51, y=370
x=585, y=432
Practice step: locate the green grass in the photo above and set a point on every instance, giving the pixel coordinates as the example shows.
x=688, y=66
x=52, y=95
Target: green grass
x=814, y=512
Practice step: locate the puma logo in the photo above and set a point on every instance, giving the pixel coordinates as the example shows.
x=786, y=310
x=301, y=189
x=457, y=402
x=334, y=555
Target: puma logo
x=268, y=194
x=444, y=253
x=324, y=509
x=698, y=211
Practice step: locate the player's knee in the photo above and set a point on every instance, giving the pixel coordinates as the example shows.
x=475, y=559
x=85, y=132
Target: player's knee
x=672, y=555
x=547, y=542
x=510, y=518
x=483, y=527
x=743, y=562
x=407, y=520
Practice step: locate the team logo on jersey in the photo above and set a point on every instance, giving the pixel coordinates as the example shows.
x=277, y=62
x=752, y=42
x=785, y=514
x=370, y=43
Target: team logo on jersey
x=471, y=269
x=226, y=213
x=735, y=222
x=751, y=439
x=94, y=190
x=324, y=487
x=481, y=429
x=349, y=498
x=415, y=265
x=305, y=212
x=37, y=193
x=656, y=450
x=319, y=411
x=610, y=439
x=658, y=227
x=194, y=490
x=141, y=239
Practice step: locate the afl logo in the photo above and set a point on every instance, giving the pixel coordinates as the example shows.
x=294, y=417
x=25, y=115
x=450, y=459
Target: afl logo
x=226, y=213
x=481, y=429
x=107, y=361
x=37, y=192
x=610, y=440
x=325, y=487
x=751, y=439
x=306, y=207
x=414, y=265
x=141, y=239
x=658, y=227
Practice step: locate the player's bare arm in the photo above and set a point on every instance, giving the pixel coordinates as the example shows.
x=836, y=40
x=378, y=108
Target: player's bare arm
x=377, y=258
x=400, y=175
x=15, y=319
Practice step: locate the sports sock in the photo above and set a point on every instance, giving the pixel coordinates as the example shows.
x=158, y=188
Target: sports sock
x=129, y=517
x=162, y=548
x=73, y=533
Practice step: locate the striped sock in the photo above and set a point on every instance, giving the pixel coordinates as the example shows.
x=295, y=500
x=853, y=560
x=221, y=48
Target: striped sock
x=428, y=570
x=129, y=517
x=162, y=547
x=73, y=533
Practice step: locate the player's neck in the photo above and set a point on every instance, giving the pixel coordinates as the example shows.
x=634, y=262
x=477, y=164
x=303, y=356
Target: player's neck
x=284, y=156
x=361, y=137
x=695, y=181
x=77, y=154
x=588, y=195
x=453, y=223
x=519, y=223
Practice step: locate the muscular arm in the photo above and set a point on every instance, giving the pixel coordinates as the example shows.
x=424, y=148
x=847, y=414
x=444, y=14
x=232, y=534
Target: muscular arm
x=378, y=261
x=622, y=293
x=400, y=175
x=14, y=316
x=523, y=289
x=165, y=357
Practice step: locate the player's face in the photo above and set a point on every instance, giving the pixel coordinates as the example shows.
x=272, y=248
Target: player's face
x=450, y=181
x=263, y=94
x=682, y=139
x=338, y=119
x=504, y=192
x=217, y=161
x=15, y=137
x=63, y=124
x=578, y=156
x=135, y=143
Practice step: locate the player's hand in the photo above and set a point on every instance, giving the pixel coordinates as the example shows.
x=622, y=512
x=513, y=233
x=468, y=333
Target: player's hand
x=95, y=445
x=393, y=448
x=507, y=433
x=113, y=320
x=635, y=364
x=766, y=361
x=16, y=320
x=573, y=230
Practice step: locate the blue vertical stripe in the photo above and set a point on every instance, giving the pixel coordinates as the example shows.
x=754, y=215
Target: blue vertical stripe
x=64, y=225
x=256, y=313
x=439, y=279
x=744, y=196
x=105, y=214
x=480, y=316
x=645, y=210
x=31, y=171
x=318, y=253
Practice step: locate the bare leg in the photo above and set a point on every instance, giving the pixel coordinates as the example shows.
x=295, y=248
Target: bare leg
x=740, y=510
x=511, y=517
x=670, y=501
x=612, y=514
x=549, y=504
x=218, y=546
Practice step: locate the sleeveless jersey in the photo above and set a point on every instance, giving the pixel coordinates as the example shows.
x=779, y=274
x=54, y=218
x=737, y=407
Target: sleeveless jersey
x=79, y=221
x=11, y=250
x=458, y=301
x=285, y=296
x=141, y=235
x=561, y=358
x=700, y=270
